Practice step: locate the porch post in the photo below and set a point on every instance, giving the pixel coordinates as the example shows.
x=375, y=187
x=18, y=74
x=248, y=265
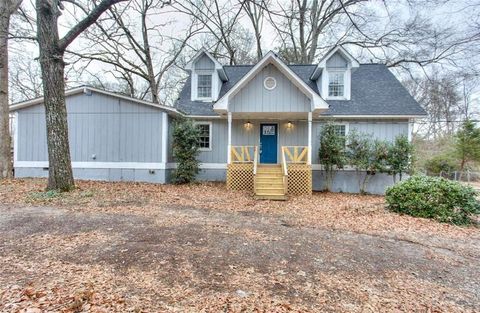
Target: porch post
x=309, y=157
x=229, y=145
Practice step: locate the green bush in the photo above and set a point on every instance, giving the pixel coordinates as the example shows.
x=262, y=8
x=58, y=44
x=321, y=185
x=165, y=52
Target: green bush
x=433, y=197
x=185, y=151
x=441, y=163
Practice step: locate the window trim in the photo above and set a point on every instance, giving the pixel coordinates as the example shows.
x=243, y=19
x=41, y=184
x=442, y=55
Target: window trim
x=200, y=73
x=337, y=71
x=347, y=129
x=210, y=128
x=265, y=83
x=346, y=124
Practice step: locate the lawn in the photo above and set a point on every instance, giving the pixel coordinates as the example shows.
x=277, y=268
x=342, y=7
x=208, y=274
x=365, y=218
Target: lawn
x=128, y=247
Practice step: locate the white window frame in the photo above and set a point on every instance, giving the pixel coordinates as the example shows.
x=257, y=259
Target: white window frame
x=332, y=72
x=194, y=82
x=346, y=124
x=210, y=128
x=325, y=79
x=201, y=73
x=347, y=129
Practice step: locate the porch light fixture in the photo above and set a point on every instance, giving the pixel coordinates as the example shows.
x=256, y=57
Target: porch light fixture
x=289, y=124
x=248, y=125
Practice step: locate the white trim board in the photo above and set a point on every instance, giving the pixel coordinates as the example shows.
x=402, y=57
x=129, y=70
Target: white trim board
x=85, y=90
x=203, y=166
x=118, y=165
x=372, y=116
x=104, y=165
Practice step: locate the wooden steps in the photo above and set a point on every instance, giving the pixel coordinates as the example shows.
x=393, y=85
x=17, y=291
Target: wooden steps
x=269, y=183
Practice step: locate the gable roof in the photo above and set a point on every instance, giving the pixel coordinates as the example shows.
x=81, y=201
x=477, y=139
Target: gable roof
x=352, y=62
x=375, y=92
x=86, y=89
x=218, y=66
x=271, y=58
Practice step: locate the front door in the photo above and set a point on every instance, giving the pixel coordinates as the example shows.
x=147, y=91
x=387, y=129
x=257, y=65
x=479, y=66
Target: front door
x=268, y=143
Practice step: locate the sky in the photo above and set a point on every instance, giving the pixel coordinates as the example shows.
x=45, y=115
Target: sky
x=452, y=13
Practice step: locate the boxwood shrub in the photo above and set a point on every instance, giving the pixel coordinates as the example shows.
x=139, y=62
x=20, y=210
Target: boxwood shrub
x=434, y=197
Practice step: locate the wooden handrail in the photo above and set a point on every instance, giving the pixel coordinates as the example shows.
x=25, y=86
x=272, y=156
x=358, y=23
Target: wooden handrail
x=255, y=160
x=285, y=171
x=284, y=163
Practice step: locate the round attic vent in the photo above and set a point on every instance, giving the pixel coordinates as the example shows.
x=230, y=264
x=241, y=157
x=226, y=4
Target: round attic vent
x=270, y=83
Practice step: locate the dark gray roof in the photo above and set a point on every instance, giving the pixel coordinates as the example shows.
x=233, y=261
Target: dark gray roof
x=375, y=91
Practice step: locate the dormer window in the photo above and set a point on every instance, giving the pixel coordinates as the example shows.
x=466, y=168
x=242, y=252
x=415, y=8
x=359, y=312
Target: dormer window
x=336, y=84
x=204, y=86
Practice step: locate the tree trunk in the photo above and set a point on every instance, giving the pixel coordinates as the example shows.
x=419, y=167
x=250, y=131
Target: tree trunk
x=52, y=66
x=5, y=139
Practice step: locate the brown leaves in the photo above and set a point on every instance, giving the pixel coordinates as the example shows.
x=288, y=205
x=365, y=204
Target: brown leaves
x=83, y=269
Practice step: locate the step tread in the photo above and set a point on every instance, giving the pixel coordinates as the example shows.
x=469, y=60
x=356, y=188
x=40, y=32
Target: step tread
x=271, y=197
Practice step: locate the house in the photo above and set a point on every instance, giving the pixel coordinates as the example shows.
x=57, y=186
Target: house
x=259, y=124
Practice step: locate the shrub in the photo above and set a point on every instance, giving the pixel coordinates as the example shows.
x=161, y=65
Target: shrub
x=433, y=197
x=331, y=152
x=185, y=151
x=399, y=159
x=367, y=156
x=441, y=163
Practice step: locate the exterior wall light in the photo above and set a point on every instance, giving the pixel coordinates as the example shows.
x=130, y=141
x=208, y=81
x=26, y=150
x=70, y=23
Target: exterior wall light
x=248, y=125
x=289, y=124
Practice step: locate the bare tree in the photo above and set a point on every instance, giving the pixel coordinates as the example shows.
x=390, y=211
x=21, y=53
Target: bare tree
x=300, y=25
x=52, y=49
x=440, y=97
x=7, y=8
x=255, y=10
x=24, y=78
x=143, y=51
x=220, y=19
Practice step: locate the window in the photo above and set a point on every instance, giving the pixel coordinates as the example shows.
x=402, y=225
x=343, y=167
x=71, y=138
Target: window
x=204, y=136
x=336, y=85
x=270, y=83
x=340, y=130
x=204, y=86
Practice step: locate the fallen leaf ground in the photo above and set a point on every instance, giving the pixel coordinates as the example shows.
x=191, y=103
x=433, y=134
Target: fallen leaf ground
x=127, y=247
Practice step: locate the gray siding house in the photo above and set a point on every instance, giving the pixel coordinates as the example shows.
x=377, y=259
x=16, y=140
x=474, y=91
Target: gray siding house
x=254, y=119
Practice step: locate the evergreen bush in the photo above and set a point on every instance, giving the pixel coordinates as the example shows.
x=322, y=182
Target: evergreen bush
x=434, y=197
x=185, y=151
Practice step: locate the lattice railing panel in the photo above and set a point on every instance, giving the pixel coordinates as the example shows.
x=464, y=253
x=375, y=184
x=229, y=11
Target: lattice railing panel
x=299, y=179
x=240, y=176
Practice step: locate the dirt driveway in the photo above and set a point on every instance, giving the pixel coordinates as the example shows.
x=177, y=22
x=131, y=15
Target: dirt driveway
x=172, y=257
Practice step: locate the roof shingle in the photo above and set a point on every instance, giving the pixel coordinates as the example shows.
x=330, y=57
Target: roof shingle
x=374, y=91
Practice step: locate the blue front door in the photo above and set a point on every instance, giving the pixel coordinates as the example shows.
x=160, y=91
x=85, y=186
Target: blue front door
x=268, y=143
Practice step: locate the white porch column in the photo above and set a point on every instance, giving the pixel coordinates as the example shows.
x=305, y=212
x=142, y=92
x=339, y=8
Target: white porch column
x=229, y=145
x=309, y=157
x=410, y=130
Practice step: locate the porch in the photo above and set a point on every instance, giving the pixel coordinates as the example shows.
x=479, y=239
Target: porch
x=270, y=181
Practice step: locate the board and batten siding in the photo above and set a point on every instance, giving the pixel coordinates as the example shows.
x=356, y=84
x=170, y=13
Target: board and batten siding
x=101, y=129
x=337, y=61
x=218, y=152
x=285, y=97
x=204, y=63
x=378, y=129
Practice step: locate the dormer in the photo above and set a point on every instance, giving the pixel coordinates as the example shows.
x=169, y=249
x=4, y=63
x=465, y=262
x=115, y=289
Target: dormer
x=207, y=77
x=333, y=74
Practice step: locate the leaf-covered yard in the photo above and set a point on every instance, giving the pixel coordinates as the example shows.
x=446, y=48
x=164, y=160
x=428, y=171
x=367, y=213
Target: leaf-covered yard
x=124, y=247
